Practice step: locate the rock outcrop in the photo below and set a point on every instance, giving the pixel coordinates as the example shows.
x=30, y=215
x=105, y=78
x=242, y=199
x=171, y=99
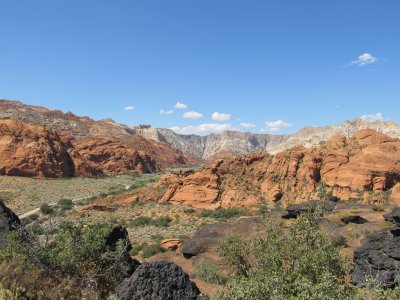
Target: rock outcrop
x=214, y=146
x=393, y=217
x=8, y=221
x=378, y=259
x=158, y=281
x=365, y=166
x=37, y=142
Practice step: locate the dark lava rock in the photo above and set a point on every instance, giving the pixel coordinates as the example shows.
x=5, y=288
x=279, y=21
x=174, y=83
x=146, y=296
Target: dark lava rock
x=158, y=281
x=295, y=210
x=354, y=219
x=119, y=233
x=378, y=258
x=393, y=217
x=210, y=235
x=8, y=221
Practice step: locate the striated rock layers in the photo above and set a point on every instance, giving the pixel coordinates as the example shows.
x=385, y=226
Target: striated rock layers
x=37, y=142
x=365, y=166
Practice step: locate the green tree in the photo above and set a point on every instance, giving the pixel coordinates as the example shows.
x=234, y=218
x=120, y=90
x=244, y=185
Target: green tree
x=298, y=263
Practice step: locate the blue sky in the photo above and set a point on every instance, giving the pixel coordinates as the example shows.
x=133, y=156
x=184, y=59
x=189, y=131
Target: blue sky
x=278, y=65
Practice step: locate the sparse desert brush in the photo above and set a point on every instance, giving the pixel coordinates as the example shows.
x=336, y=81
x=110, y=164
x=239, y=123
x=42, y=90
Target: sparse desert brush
x=209, y=272
x=149, y=250
x=297, y=263
x=378, y=208
x=224, y=213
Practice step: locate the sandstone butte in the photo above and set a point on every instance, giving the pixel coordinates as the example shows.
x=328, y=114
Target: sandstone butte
x=34, y=150
x=365, y=166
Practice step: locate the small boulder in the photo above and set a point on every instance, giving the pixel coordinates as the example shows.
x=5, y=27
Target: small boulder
x=170, y=244
x=354, y=219
x=158, y=281
x=378, y=258
x=8, y=221
x=393, y=217
x=295, y=210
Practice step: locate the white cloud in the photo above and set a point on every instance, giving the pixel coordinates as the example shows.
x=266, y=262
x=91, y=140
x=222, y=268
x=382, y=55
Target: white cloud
x=247, y=125
x=203, y=129
x=192, y=115
x=372, y=117
x=179, y=105
x=364, y=59
x=277, y=125
x=129, y=107
x=166, y=112
x=220, y=117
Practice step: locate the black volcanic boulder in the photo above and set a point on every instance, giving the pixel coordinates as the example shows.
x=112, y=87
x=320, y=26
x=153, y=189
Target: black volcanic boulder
x=158, y=281
x=354, y=219
x=119, y=233
x=8, y=221
x=393, y=217
x=295, y=210
x=378, y=258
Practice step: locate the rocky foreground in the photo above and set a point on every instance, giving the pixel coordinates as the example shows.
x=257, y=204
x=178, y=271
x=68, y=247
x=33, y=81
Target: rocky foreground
x=365, y=166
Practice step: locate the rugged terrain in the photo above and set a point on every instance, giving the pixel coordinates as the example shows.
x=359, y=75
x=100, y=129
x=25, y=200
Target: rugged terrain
x=38, y=142
x=365, y=166
x=214, y=146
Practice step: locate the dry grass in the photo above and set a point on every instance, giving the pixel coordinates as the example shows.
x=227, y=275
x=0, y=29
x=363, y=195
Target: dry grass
x=24, y=194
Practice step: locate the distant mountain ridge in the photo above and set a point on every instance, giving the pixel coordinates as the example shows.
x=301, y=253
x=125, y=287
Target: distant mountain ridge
x=241, y=143
x=38, y=142
x=205, y=147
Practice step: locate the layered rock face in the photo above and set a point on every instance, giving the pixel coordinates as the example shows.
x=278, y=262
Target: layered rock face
x=38, y=142
x=214, y=146
x=365, y=166
x=29, y=150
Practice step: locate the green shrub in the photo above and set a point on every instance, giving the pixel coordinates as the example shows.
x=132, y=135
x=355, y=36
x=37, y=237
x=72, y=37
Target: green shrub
x=162, y=221
x=210, y=273
x=147, y=221
x=298, y=263
x=77, y=251
x=151, y=250
x=378, y=208
x=65, y=204
x=141, y=221
x=189, y=211
x=224, y=213
x=46, y=209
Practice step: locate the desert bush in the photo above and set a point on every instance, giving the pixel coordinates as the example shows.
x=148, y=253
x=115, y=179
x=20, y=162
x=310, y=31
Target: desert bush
x=151, y=250
x=147, y=221
x=189, y=211
x=65, y=204
x=339, y=240
x=223, y=213
x=162, y=221
x=46, y=209
x=378, y=208
x=210, y=273
x=298, y=263
x=76, y=251
x=141, y=221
